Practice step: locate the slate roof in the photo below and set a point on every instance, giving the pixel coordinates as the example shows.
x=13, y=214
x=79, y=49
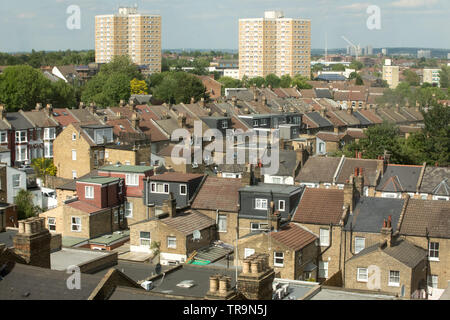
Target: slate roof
x=369, y=214
x=318, y=170
x=323, y=93
x=84, y=116
x=168, y=125
x=361, y=118
x=18, y=121
x=218, y=193
x=436, y=181
x=293, y=236
x=72, y=185
x=287, y=163
x=421, y=215
x=272, y=188
x=400, y=178
x=320, y=206
x=244, y=95
x=41, y=119
x=403, y=251
x=26, y=282
x=369, y=166
x=317, y=118
x=176, y=177
x=346, y=117
x=189, y=222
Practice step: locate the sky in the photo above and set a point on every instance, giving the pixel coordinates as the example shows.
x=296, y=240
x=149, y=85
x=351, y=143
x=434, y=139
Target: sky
x=213, y=24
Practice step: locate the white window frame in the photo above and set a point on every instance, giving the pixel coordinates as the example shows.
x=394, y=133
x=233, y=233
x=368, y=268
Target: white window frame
x=21, y=136
x=323, y=269
x=116, y=215
x=74, y=174
x=261, y=204
x=74, y=136
x=170, y=244
x=51, y=222
x=15, y=180
x=433, y=281
x=185, y=190
x=49, y=133
x=434, y=250
x=324, y=238
x=19, y=149
x=74, y=155
x=76, y=223
x=284, y=205
x=143, y=241
x=359, y=247
x=394, y=278
x=3, y=136
x=154, y=187
x=132, y=179
x=278, y=259
x=89, y=192
x=248, y=252
x=222, y=223
x=48, y=149
x=128, y=209
x=362, y=275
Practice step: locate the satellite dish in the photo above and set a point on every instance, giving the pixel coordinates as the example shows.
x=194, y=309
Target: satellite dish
x=197, y=235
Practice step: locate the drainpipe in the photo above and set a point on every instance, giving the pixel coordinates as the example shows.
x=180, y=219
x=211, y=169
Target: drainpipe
x=329, y=246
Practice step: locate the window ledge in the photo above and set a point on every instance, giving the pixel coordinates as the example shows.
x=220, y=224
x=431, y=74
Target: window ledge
x=434, y=259
x=393, y=285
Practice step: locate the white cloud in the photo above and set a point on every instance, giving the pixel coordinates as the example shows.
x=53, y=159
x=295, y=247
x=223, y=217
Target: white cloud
x=412, y=3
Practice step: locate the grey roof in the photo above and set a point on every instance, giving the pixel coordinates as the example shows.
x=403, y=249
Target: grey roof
x=126, y=293
x=244, y=95
x=402, y=250
x=7, y=237
x=18, y=121
x=137, y=271
x=288, y=163
x=363, y=120
x=26, y=282
x=317, y=118
x=369, y=214
x=318, y=170
x=436, y=180
x=331, y=77
x=340, y=294
x=72, y=185
x=141, y=98
x=323, y=93
x=274, y=188
x=398, y=178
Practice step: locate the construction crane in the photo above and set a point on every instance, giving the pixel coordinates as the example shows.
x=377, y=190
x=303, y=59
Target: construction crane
x=354, y=47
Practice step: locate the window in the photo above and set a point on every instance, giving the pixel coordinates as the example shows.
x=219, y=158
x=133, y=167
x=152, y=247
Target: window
x=321, y=147
x=278, y=259
x=132, y=179
x=433, y=251
x=394, y=278
x=261, y=204
x=128, y=209
x=248, y=252
x=160, y=187
x=21, y=136
x=144, y=239
x=76, y=224
x=254, y=226
x=89, y=192
x=51, y=224
x=74, y=155
x=116, y=216
x=433, y=281
x=360, y=244
x=21, y=153
x=324, y=237
x=16, y=180
x=276, y=180
x=74, y=136
x=281, y=205
x=183, y=189
x=171, y=242
x=74, y=174
x=3, y=137
x=48, y=149
x=222, y=223
x=323, y=269
x=49, y=133
x=362, y=275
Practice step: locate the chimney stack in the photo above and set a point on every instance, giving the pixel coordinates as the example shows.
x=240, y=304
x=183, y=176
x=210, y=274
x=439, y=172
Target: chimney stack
x=135, y=120
x=387, y=232
x=255, y=281
x=81, y=105
x=359, y=181
x=192, y=100
x=220, y=288
x=92, y=108
x=264, y=100
x=49, y=109
x=248, y=176
x=2, y=111
x=202, y=102
x=32, y=242
x=122, y=103
x=132, y=104
x=349, y=193
x=234, y=101
x=38, y=107
x=182, y=120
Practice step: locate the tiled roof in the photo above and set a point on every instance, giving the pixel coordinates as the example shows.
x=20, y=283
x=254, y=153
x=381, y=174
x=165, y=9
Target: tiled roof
x=293, y=237
x=356, y=133
x=121, y=126
x=371, y=116
x=308, y=93
x=64, y=118
x=41, y=119
x=176, y=177
x=329, y=136
x=333, y=118
x=318, y=170
x=84, y=116
x=189, y=222
x=218, y=193
x=148, y=127
x=436, y=180
x=369, y=166
x=423, y=215
x=317, y=118
x=85, y=207
x=361, y=118
x=399, y=178
x=320, y=206
x=348, y=118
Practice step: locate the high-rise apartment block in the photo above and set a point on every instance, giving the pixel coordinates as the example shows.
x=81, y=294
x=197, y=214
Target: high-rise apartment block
x=274, y=44
x=432, y=76
x=129, y=33
x=424, y=54
x=391, y=74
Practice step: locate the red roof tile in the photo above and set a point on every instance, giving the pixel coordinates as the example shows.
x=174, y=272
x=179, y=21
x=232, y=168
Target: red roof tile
x=293, y=237
x=218, y=193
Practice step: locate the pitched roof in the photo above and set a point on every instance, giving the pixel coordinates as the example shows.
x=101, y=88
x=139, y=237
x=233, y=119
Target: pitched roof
x=436, y=181
x=218, y=193
x=189, y=222
x=320, y=206
x=84, y=116
x=403, y=251
x=349, y=119
x=176, y=177
x=423, y=215
x=18, y=121
x=356, y=133
x=329, y=136
x=41, y=119
x=371, y=116
x=84, y=207
x=318, y=119
x=293, y=236
x=148, y=127
x=369, y=214
x=369, y=166
x=400, y=178
x=63, y=117
x=318, y=170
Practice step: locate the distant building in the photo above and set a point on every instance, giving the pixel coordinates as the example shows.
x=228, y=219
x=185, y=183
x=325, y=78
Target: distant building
x=432, y=76
x=129, y=33
x=424, y=54
x=384, y=52
x=287, y=51
x=391, y=74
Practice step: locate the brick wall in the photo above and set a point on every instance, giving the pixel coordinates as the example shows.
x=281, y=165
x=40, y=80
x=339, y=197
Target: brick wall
x=232, y=222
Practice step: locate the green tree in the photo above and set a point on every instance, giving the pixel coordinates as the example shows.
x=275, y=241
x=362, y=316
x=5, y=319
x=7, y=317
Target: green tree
x=24, y=205
x=301, y=82
x=138, y=86
x=411, y=77
x=257, y=81
x=228, y=82
x=285, y=81
x=179, y=87
x=356, y=65
x=272, y=80
x=44, y=167
x=445, y=77
x=338, y=67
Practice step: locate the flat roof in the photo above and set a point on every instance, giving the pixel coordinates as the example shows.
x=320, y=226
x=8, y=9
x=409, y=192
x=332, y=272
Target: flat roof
x=124, y=168
x=72, y=241
x=99, y=180
x=275, y=188
x=339, y=294
x=111, y=238
x=137, y=271
x=67, y=257
x=7, y=237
